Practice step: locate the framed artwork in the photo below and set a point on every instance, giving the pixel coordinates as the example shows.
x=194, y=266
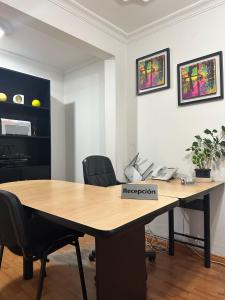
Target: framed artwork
x=153, y=72
x=200, y=79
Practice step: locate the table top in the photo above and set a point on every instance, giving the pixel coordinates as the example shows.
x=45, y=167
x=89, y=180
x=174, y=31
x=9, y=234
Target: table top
x=174, y=188
x=91, y=209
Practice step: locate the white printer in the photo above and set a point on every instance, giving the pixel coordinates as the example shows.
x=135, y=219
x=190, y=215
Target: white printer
x=15, y=127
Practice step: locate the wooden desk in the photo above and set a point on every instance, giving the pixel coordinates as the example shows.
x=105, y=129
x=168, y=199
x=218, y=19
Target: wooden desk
x=189, y=198
x=117, y=224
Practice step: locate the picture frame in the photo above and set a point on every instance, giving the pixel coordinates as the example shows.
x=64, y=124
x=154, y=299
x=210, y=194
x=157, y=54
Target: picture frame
x=153, y=72
x=200, y=79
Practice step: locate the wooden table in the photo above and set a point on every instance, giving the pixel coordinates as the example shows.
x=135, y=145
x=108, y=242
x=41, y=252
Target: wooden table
x=117, y=225
x=188, y=196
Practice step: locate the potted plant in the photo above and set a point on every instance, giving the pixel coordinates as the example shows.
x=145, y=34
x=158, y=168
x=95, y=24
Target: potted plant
x=207, y=150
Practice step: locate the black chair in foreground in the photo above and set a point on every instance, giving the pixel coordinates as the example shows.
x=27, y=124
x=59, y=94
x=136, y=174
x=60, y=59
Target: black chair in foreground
x=34, y=238
x=98, y=170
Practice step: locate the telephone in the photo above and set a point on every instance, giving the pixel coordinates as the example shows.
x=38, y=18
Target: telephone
x=163, y=173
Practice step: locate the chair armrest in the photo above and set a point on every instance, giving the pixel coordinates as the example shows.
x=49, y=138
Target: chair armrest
x=119, y=182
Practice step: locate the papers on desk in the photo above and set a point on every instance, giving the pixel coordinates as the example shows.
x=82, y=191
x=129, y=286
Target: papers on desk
x=139, y=191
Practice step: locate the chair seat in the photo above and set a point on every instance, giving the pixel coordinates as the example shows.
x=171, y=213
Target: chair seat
x=43, y=232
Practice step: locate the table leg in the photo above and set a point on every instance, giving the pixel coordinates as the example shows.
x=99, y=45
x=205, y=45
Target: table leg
x=120, y=265
x=171, y=232
x=207, y=252
x=27, y=269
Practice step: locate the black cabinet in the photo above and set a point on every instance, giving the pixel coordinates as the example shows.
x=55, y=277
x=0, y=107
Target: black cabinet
x=9, y=174
x=25, y=157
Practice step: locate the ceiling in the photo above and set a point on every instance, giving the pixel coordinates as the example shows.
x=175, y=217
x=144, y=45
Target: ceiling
x=130, y=16
x=30, y=38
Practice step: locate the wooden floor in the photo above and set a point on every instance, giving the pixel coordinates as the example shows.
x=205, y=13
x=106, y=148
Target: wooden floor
x=182, y=277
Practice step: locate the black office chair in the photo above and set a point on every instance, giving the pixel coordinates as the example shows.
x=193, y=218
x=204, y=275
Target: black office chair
x=34, y=238
x=98, y=170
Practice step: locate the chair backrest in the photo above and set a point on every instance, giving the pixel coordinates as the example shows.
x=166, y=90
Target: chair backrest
x=12, y=223
x=98, y=170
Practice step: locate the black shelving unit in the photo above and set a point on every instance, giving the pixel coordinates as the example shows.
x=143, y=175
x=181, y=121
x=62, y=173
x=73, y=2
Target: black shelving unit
x=35, y=149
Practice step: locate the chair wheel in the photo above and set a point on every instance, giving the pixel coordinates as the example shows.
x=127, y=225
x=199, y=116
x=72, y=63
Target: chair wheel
x=91, y=257
x=152, y=257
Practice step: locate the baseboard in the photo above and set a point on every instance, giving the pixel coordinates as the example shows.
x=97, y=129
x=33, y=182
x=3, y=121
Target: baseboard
x=218, y=258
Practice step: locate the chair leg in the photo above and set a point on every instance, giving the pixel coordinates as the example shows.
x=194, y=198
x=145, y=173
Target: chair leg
x=27, y=268
x=41, y=278
x=1, y=254
x=92, y=255
x=81, y=271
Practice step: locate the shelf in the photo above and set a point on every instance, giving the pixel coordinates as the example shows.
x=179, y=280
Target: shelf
x=25, y=166
x=23, y=106
x=26, y=172
x=24, y=136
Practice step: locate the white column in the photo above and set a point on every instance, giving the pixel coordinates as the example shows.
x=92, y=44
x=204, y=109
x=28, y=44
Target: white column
x=110, y=110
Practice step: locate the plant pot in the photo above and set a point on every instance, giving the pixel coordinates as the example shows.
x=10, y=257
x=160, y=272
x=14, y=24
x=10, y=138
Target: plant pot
x=202, y=173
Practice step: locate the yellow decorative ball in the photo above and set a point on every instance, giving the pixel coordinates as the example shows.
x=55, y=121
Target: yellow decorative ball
x=3, y=97
x=36, y=102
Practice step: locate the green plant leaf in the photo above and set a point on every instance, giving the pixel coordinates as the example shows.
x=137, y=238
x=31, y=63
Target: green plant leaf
x=207, y=141
x=223, y=128
x=218, y=154
x=207, y=131
x=216, y=140
x=206, y=151
x=198, y=137
x=215, y=131
x=194, y=144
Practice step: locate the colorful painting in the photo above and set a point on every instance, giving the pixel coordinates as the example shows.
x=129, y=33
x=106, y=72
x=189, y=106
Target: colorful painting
x=153, y=72
x=200, y=79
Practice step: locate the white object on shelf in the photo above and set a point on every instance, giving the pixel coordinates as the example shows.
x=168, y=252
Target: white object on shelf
x=18, y=99
x=15, y=127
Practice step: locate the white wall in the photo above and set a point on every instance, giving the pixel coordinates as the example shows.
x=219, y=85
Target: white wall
x=84, y=95
x=165, y=130
x=24, y=65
